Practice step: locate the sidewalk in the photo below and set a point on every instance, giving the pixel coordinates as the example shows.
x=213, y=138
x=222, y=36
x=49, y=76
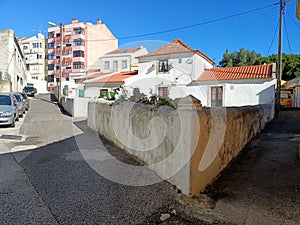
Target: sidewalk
x=262, y=186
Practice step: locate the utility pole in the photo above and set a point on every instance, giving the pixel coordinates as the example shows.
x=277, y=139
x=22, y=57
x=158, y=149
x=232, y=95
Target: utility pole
x=279, y=64
x=298, y=10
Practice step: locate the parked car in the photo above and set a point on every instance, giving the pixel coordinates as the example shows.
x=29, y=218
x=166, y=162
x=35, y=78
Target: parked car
x=26, y=101
x=9, y=111
x=21, y=104
x=30, y=91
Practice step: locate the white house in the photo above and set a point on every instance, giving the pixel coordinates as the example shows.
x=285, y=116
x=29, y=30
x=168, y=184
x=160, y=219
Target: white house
x=168, y=70
x=12, y=63
x=121, y=60
x=235, y=86
x=115, y=67
x=34, y=53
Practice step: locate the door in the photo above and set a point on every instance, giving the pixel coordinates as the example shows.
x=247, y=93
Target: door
x=216, y=96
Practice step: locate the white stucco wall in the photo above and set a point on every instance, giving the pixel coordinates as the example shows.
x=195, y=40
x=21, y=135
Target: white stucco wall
x=236, y=92
x=185, y=68
x=76, y=107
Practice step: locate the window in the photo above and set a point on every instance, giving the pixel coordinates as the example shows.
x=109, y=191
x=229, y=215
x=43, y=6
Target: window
x=57, y=56
x=163, y=66
x=124, y=64
x=106, y=65
x=51, y=45
x=50, y=56
x=216, y=96
x=78, y=65
x=57, y=67
x=78, y=54
x=68, y=44
x=179, y=60
x=103, y=92
x=51, y=67
x=36, y=45
x=39, y=56
x=50, y=78
x=78, y=42
x=163, y=92
x=51, y=35
x=68, y=67
x=58, y=35
x=115, y=66
x=78, y=30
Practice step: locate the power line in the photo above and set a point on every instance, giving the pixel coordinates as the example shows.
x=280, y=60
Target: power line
x=293, y=20
x=192, y=26
x=273, y=38
x=286, y=32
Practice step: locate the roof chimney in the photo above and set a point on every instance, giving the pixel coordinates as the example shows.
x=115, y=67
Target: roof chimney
x=99, y=21
x=74, y=20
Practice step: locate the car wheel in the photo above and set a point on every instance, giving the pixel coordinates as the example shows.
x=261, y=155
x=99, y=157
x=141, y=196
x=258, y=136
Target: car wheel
x=17, y=119
x=21, y=116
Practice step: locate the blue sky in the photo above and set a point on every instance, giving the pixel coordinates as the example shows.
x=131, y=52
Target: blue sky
x=253, y=31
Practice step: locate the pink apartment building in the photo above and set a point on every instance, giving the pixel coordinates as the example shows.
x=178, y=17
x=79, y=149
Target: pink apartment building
x=82, y=45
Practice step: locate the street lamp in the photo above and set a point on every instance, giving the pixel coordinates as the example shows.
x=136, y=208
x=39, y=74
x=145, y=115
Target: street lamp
x=60, y=59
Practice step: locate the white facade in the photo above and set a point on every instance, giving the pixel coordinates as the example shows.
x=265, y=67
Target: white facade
x=12, y=63
x=183, y=69
x=236, y=92
x=121, y=60
x=34, y=53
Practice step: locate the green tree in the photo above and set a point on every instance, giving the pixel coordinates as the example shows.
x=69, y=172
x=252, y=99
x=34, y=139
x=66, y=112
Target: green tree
x=242, y=57
x=290, y=64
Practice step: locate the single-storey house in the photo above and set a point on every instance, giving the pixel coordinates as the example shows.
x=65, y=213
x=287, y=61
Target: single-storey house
x=235, y=86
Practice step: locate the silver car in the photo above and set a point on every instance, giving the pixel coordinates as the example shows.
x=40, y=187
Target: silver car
x=21, y=104
x=9, y=111
x=26, y=100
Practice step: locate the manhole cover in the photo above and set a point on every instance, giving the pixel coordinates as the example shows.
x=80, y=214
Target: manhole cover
x=11, y=137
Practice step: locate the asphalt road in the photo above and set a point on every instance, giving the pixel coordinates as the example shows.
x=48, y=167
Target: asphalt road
x=44, y=179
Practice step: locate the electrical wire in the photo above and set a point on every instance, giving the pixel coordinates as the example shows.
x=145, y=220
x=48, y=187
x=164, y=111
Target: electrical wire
x=273, y=38
x=193, y=25
x=287, y=35
x=293, y=20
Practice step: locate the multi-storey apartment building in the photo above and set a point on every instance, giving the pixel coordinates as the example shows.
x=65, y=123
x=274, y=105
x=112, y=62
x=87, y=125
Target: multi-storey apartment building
x=34, y=53
x=13, y=71
x=82, y=44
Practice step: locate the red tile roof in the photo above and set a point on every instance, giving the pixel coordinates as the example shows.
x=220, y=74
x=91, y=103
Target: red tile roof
x=122, y=51
x=237, y=73
x=175, y=47
x=114, y=78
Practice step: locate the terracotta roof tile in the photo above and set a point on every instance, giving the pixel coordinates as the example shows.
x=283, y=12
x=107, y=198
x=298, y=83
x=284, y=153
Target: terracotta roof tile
x=237, y=73
x=175, y=47
x=122, y=51
x=114, y=78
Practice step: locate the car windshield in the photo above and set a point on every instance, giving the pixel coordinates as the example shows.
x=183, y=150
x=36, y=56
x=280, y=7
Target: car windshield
x=24, y=95
x=29, y=89
x=18, y=97
x=5, y=100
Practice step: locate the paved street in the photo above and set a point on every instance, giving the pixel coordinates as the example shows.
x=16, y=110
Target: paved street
x=46, y=180
x=46, y=177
